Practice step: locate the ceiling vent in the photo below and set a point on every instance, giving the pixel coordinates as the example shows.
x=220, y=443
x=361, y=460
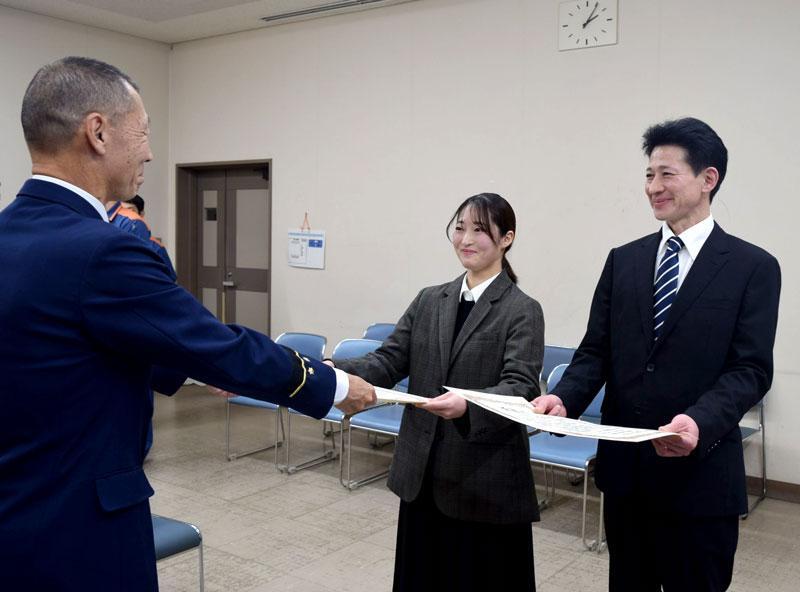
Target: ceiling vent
x=327, y=10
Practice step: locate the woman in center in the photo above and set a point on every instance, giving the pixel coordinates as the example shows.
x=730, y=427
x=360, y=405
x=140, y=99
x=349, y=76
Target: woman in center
x=463, y=473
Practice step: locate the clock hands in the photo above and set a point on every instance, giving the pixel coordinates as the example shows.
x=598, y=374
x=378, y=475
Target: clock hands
x=592, y=15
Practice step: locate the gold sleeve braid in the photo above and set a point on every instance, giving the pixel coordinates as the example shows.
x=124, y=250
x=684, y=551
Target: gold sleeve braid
x=305, y=375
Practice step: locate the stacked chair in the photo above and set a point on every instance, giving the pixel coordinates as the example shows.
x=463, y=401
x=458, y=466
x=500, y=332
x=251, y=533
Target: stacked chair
x=572, y=453
x=381, y=420
x=347, y=348
x=379, y=332
x=307, y=344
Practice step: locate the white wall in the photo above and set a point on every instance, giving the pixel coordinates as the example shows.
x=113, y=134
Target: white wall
x=379, y=123
x=29, y=41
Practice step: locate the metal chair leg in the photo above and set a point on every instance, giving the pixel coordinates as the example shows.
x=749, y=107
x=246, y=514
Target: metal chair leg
x=549, y=486
x=234, y=455
x=345, y=447
x=227, y=429
x=762, y=494
x=290, y=469
x=598, y=544
x=600, y=526
x=200, y=567
x=279, y=424
x=347, y=482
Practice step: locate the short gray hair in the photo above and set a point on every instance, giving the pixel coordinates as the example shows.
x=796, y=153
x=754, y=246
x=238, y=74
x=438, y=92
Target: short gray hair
x=61, y=94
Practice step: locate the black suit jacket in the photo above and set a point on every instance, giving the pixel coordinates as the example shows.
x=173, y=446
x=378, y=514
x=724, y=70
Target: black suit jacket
x=479, y=464
x=712, y=362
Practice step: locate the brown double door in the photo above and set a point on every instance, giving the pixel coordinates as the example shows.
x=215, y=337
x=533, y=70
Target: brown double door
x=232, y=248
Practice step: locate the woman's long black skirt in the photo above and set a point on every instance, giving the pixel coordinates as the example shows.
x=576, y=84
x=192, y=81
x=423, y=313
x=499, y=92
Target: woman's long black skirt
x=438, y=553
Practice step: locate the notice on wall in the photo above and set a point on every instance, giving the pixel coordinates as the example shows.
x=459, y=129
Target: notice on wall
x=307, y=249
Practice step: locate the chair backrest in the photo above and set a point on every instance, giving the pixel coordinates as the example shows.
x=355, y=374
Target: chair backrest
x=555, y=355
x=354, y=348
x=555, y=376
x=306, y=344
x=379, y=331
x=592, y=412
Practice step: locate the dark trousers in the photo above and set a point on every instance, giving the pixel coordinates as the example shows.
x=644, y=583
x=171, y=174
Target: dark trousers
x=652, y=551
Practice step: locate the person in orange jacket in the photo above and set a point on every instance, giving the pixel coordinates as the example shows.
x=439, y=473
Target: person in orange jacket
x=129, y=216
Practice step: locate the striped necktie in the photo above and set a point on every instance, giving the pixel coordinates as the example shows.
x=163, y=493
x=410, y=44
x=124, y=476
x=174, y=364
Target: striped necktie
x=666, y=284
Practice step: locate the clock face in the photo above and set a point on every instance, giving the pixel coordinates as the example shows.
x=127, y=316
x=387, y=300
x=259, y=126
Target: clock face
x=586, y=23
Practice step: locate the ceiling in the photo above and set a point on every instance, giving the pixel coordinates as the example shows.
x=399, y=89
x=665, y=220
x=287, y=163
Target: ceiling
x=173, y=21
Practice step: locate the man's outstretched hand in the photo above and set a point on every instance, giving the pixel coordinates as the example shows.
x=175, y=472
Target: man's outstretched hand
x=360, y=395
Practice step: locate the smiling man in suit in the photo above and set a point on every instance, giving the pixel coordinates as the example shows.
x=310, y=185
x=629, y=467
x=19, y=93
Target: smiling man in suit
x=77, y=296
x=681, y=332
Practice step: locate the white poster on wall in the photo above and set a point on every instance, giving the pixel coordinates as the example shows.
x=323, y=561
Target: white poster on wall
x=307, y=249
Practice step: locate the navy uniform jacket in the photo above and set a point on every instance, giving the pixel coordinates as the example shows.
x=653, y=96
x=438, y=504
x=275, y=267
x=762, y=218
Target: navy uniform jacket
x=713, y=361
x=76, y=296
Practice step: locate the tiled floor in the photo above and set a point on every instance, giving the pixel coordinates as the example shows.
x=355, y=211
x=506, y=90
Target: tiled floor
x=265, y=531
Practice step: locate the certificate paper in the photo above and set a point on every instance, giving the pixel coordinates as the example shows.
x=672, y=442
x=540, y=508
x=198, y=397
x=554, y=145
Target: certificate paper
x=521, y=411
x=389, y=396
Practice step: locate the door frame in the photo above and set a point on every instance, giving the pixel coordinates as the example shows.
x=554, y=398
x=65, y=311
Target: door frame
x=186, y=212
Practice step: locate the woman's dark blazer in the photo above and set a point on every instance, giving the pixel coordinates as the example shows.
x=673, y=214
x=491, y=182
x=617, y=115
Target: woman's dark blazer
x=479, y=465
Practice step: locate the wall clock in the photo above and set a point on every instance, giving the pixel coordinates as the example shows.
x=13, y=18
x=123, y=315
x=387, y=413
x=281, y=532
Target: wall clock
x=587, y=23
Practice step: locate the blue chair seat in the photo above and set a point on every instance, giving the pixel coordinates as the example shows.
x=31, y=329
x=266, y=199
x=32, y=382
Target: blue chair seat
x=385, y=419
x=173, y=536
x=567, y=451
x=249, y=402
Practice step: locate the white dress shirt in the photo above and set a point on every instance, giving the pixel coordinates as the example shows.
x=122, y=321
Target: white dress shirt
x=93, y=201
x=476, y=292
x=693, y=240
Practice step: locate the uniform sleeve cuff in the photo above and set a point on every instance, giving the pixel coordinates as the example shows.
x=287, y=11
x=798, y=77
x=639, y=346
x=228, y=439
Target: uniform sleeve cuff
x=342, y=386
